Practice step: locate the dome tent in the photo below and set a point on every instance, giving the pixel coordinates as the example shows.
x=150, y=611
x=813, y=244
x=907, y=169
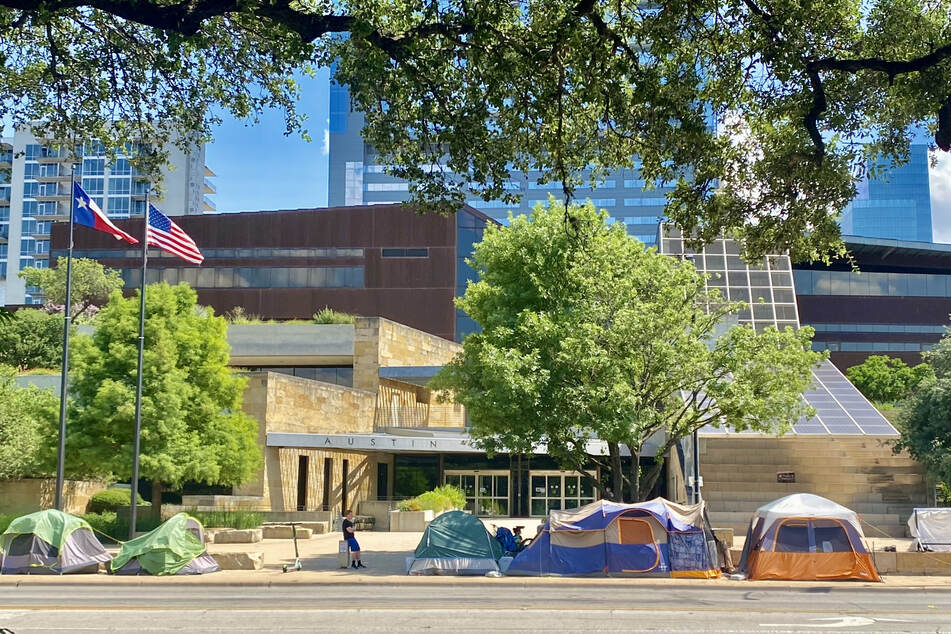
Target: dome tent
x=456, y=543
x=50, y=542
x=177, y=547
x=657, y=537
x=805, y=537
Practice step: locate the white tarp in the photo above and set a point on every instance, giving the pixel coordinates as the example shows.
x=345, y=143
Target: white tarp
x=932, y=528
x=806, y=505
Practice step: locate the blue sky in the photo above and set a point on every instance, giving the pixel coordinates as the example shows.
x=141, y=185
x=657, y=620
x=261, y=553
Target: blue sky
x=258, y=168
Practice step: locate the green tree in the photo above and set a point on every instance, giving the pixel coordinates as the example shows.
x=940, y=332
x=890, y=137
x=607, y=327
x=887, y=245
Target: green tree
x=193, y=428
x=92, y=284
x=924, y=418
x=886, y=379
x=804, y=94
x=586, y=334
x=24, y=414
x=32, y=339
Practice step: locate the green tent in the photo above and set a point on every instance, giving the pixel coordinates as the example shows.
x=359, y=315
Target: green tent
x=456, y=543
x=50, y=541
x=177, y=547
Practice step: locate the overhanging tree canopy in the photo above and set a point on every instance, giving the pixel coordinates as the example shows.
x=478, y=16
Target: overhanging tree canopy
x=805, y=92
x=591, y=336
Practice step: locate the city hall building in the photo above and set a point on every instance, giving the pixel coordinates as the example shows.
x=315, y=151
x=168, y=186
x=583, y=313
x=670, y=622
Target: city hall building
x=346, y=419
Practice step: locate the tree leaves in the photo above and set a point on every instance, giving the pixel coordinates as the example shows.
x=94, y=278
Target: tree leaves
x=193, y=428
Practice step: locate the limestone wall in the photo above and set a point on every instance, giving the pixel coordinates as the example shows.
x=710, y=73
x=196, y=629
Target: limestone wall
x=383, y=343
x=282, y=403
x=282, y=479
x=860, y=472
x=297, y=405
x=29, y=495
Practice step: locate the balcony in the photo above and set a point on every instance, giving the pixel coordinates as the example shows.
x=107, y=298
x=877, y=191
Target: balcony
x=50, y=198
x=58, y=214
x=209, y=188
x=53, y=157
x=55, y=178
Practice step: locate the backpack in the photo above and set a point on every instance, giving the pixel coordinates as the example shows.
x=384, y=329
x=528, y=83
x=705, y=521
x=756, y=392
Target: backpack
x=506, y=538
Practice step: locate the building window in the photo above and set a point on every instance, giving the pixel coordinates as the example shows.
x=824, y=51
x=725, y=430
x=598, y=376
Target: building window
x=353, y=193
x=646, y=201
x=94, y=167
x=121, y=167
x=120, y=186
x=406, y=253
x=387, y=187
x=94, y=186
x=119, y=206
x=251, y=277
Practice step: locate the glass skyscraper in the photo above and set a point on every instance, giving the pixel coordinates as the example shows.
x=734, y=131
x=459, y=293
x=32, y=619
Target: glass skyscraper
x=896, y=204
x=358, y=178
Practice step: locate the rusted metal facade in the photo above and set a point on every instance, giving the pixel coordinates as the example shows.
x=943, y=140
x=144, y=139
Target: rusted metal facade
x=416, y=290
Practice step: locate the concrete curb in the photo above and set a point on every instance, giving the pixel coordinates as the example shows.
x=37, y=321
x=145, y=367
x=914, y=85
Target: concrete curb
x=910, y=584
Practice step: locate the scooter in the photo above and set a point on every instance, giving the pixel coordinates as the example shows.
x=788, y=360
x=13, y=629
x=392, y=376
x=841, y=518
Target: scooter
x=297, y=564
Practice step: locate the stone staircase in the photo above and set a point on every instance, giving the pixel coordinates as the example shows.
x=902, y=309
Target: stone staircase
x=860, y=472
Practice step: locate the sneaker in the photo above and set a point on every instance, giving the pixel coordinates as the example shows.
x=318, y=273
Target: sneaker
x=360, y=564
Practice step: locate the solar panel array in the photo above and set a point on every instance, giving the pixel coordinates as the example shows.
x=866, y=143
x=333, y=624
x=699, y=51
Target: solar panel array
x=840, y=409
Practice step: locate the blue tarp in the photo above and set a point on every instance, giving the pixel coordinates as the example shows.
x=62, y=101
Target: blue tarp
x=654, y=537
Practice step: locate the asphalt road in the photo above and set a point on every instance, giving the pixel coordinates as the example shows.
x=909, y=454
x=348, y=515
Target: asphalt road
x=466, y=607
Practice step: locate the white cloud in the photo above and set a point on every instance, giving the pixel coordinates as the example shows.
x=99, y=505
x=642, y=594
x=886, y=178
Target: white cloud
x=940, y=177
x=325, y=148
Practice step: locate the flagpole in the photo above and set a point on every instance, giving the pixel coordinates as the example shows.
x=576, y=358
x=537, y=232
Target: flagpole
x=138, y=387
x=64, y=377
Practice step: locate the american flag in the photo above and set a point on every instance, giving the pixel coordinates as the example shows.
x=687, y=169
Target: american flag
x=168, y=236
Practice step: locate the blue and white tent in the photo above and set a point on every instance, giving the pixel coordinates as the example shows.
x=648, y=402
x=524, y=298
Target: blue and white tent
x=656, y=537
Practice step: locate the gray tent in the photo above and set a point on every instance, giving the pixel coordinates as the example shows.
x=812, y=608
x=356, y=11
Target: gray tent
x=50, y=542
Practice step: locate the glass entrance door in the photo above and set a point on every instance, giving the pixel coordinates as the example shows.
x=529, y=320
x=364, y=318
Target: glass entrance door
x=558, y=490
x=487, y=492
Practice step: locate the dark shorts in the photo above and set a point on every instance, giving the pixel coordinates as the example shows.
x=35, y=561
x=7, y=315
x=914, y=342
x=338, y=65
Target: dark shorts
x=352, y=543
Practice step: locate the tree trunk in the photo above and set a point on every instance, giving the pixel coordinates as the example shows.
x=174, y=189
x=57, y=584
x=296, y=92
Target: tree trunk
x=617, y=474
x=650, y=478
x=635, y=474
x=157, y=489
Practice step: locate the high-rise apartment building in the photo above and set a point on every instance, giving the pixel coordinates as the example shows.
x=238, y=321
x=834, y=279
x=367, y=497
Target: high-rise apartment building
x=35, y=191
x=895, y=205
x=357, y=177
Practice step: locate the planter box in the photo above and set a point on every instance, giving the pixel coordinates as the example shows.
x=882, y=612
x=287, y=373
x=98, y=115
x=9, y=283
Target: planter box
x=410, y=521
x=285, y=532
x=248, y=536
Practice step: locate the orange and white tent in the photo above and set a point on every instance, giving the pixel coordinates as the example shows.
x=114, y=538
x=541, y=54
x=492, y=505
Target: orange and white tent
x=806, y=537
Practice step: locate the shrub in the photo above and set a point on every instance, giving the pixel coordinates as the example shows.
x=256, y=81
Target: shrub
x=444, y=498
x=109, y=527
x=5, y=520
x=327, y=315
x=111, y=499
x=228, y=519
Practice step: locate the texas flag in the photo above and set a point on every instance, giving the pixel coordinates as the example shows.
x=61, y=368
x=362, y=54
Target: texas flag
x=87, y=212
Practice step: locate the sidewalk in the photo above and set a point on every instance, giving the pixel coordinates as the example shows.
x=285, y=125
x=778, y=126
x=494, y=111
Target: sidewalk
x=385, y=556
